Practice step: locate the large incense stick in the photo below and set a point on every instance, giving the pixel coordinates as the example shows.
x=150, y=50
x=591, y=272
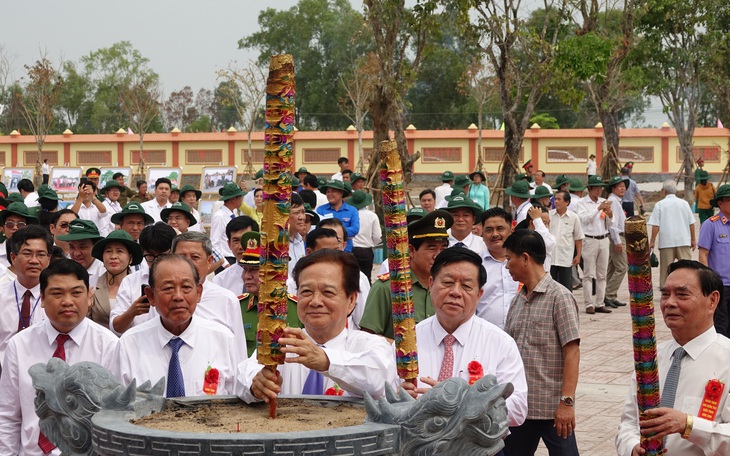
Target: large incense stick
x=401, y=285
x=278, y=157
x=643, y=324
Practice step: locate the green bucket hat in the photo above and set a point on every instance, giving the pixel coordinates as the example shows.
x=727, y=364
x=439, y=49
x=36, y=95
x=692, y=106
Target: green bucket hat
x=15, y=198
x=47, y=192
x=320, y=182
x=454, y=191
x=251, y=242
x=414, y=214
x=354, y=177
x=259, y=174
x=447, y=176
x=111, y=184
x=560, y=180
x=703, y=175
x=294, y=182
x=189, y=188
x=595, y=181
x=80, y=229
x=174, y=189
x=3, y=190
x=311, y=213
x=576, y=185
x=337, y=185
x=230, y=190
x=129, y=209
x=134, y=249
x=301, y=170
x=522, y=176
x=615, y=180
x=20, y=210
x=360, y=199
x=180, y=207
x=520, y=189
x=722, y=192
x=542, y=192
x=462, y=201
x=461, y=181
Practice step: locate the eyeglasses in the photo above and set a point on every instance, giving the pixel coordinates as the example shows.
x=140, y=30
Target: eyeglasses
x=10, y=224
x=27, y=254
x=64, y=225
x=152, y=257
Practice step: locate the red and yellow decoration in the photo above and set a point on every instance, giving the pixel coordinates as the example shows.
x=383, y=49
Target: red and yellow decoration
x=711, y=401
x=210, y=381
x=476, y=371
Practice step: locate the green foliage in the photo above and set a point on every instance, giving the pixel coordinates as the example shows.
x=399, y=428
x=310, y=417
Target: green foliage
x=227, y=97
x=585, y=56
x=201, y=124
x=545, y=121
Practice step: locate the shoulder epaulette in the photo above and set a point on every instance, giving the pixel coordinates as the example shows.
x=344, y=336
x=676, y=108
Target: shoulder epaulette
x=384, y=277
x=292, y=297
x=715, y=218
x=243, y=296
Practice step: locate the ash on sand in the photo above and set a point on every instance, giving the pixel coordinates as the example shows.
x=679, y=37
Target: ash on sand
x=224, y=418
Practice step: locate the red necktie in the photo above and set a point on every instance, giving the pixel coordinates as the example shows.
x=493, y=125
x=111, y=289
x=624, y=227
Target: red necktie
x=60, y=353
x=447, y=365
x=24, y=320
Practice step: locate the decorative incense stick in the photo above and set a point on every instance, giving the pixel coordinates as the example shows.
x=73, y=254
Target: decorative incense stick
x=401, y=285
x=643, y=324
x=278, y=158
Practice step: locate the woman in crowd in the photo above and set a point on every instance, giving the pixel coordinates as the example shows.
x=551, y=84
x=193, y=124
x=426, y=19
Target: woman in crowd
x=256, y=213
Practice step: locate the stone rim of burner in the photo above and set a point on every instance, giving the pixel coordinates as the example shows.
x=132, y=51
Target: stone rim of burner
x=114, y=433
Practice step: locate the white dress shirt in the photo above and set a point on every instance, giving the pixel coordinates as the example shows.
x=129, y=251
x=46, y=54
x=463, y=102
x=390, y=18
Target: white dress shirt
x=10, y=306
x=566, y=229
x=198, y=227
x=207, y=344
x=112, y=207
x=218, y=224
x=359, y=362
x=673, y=216
x=231, y=278
x=321, y=198
x=92, y=214
x=296, y=250
x=549, y=241
x=222, y=306
x=153, y=208
x=498, y=291
x=706, y=359
x=95, y=271
x=474, y=243
x=19, y=428
x=370, y=233
x=31, y=200
x=591, y=167
x=476, y=340
x=442, y=191
x=337, y=176
x=591, y=218
x=534, y=185
x=129, y=291
x=618, y=221
x=574, y=199
x=521, y=213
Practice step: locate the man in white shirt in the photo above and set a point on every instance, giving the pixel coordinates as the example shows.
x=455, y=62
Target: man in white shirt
x=693, y=417
x=66, y=334
x=343, y=163
x=310, y=182
x=190, y=196
x=179, y=345
x=15, y=217
x=539, y=179
x=617, y=261
x=111, y=191
x=88, y=206
x=132, y=219
x=576, y=189
x=673, y=221
x=231, y=196
x=591, y=166
x=455, y=338
x=297, y=219
x=370, y=233
x=325, y=354
x=500, y=287
x=231, y=278
x=20, y=306
x=46, y=171
x=60, y=222
x=81, y=237
x=465, y=213
x=443, y=190
x=566, y=228
x=519, y=193
x=595, y=215
x=27, y=191
x=161, y=201
x=179, y=217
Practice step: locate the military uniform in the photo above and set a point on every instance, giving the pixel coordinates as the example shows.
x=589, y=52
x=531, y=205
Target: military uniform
x=249, y=311
x=715, y=238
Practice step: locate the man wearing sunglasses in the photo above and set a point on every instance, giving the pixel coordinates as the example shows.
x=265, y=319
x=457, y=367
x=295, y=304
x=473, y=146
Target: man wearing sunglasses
x=59, y=226
x=15, y=217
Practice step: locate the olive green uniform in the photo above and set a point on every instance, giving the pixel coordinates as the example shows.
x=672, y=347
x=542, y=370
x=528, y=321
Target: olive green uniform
x=378, y=314
x=249, y=311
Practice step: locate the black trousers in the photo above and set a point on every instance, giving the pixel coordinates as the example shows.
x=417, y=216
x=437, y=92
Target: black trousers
x=562, y=275
x=722, y=313
x=628, y=208
x=365, y=258
x=523, y=440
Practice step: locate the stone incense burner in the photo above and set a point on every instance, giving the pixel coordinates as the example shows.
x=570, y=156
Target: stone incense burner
x=85, y=411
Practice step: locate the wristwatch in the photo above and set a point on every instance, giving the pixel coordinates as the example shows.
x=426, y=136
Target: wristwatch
x=567, y=400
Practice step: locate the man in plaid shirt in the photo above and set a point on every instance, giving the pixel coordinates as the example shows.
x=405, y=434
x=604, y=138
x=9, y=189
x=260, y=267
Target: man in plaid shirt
x=543, y=320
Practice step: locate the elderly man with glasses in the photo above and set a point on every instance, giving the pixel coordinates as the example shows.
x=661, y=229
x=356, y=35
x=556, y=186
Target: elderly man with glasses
x=15, y=217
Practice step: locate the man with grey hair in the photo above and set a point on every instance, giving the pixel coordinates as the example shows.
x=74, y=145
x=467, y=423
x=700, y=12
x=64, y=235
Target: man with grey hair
x=672, y=219
x=216, y=303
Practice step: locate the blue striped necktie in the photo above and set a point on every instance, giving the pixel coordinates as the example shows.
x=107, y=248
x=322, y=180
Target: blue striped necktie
x=671, y=382
x=175, y=381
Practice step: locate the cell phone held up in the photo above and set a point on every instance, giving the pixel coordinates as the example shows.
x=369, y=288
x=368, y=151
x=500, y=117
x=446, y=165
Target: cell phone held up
x=142, y=293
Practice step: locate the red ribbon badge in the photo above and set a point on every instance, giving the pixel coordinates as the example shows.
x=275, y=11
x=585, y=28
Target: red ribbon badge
x=210, y=382
x=476, y=371
x=334, y=391
x=711, y=401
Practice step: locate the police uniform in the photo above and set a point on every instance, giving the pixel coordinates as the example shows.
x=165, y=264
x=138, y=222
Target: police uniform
x=715, y=238
x=249, y=312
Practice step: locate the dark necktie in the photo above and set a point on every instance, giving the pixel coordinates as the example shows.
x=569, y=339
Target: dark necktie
x=24, y=320
x=46, y=445
x=459, y=244
x=175, y=382
x=672, y=381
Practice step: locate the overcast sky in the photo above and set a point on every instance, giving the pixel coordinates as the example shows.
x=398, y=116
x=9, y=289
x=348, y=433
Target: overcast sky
x=186, y=41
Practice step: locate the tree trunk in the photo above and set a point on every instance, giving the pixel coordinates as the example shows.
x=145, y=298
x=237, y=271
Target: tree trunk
x=141, y=154
x=685, y=143
x=480, y=163
x=610, y=164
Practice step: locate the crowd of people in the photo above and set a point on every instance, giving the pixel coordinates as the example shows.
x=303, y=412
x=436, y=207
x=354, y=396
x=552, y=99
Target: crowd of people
x=132, y=281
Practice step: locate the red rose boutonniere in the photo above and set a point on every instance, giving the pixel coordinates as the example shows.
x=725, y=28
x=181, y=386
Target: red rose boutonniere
x=334, y=391
x=210, y=381
x=476, y=371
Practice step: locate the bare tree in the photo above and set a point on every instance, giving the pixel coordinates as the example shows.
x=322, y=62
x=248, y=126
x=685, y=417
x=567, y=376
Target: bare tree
x=358, y=86
x=248, y=87
x=179, y=109
x=140, y=102
x=39, y=103
x=479, y=82
x=6, y=69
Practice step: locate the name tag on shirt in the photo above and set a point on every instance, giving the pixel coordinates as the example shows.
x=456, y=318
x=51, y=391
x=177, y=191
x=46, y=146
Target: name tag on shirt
x=326, y=216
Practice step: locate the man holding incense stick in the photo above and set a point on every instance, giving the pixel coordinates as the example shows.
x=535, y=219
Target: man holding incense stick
x=694, y=413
